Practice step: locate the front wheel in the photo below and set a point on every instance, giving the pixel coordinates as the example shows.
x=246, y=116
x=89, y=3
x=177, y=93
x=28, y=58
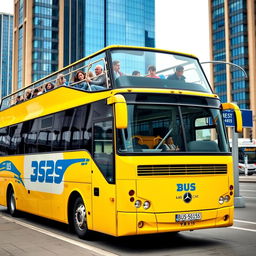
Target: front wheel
x=80, y=219
x=11, y=203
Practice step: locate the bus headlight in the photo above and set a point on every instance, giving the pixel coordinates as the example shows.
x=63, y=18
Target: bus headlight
x=137, y=204
x=221, y=200
x=226, y=198
x=146, y=205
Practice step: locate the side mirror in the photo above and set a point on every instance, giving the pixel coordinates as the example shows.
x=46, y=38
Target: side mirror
x=238, y=115
x=121, y=113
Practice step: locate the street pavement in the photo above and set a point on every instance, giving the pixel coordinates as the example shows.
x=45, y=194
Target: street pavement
x=250, y=179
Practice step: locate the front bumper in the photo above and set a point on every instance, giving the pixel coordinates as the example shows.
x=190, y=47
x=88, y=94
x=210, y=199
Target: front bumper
x=128, y=223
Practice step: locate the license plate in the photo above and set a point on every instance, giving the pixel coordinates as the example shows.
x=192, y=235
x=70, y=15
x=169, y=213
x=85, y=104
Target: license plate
x=188, y=217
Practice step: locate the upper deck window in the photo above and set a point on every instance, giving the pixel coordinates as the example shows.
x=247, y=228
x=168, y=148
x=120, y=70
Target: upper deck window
x=150, y=69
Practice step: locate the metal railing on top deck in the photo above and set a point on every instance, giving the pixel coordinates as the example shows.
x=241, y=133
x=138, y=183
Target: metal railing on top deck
x=68, y=73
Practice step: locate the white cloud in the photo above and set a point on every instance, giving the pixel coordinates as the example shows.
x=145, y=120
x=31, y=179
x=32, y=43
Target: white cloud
x=183, y=26
x=7, y=6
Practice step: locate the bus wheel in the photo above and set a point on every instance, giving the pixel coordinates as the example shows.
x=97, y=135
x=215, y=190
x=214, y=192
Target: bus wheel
x=80, y=219
x=11, y=203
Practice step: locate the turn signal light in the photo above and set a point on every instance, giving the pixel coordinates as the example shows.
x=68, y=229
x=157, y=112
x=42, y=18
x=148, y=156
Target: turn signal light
x=132, y=199
x=131, y=193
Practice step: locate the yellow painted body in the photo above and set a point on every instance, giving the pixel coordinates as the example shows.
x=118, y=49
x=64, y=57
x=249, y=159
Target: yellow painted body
x=113, y=211
x=165, y=200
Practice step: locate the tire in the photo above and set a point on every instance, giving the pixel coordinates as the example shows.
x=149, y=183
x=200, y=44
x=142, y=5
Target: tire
x=11, y=203
x=79, y=219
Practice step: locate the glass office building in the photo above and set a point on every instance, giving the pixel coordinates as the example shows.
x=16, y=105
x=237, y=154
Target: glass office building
x=45, y=38
x=50, y=34
x=91, y=25
x=6, y=41
x=232, y=39
x=36, y=44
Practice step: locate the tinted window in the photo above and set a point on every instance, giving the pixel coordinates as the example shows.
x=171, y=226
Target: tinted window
x=103, y=148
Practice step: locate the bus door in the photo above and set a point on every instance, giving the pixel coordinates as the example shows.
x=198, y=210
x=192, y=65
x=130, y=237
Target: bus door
x=103, y=178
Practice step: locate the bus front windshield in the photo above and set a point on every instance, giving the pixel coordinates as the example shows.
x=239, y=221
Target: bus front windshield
x=168, y=129
x=152, y=69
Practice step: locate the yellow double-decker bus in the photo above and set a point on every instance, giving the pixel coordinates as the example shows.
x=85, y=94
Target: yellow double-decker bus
x=144, y=152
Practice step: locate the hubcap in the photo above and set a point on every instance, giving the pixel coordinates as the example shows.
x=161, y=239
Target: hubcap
x=12, y=203
x=80, y=217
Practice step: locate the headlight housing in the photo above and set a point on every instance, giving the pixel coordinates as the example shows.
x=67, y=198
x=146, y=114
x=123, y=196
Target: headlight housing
x=146, y=205
x=137, y=204
x=221, y=200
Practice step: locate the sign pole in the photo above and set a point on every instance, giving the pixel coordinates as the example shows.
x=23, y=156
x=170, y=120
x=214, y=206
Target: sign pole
x=239, y=200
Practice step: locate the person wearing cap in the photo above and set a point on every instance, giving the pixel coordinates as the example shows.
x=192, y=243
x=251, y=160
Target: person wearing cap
x=178, y=75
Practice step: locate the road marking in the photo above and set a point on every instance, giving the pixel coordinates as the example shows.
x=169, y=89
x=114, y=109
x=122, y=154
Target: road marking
x=249, y=197
x=247, y=190
x=244, y=229
x=244, y=221
x=65, y=239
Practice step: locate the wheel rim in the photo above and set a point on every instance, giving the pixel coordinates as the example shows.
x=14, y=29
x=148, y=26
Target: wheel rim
x=80, y=217
x=12, y=203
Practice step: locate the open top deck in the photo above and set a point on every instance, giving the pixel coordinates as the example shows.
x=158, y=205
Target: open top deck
x=125, y=67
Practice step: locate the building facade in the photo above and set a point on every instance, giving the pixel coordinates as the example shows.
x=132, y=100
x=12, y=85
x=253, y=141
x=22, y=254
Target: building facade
x=51, y=34
x=91, y=25
x=6, y=43
x=232, y=39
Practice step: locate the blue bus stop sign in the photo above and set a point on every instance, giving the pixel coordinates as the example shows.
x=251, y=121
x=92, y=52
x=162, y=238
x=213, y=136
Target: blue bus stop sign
x=247, y=118
x=229, y=118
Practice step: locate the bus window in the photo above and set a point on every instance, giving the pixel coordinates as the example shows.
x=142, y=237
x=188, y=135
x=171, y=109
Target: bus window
x=165, y=65
x=103, y=148
x=148, y=128
x=204, y=130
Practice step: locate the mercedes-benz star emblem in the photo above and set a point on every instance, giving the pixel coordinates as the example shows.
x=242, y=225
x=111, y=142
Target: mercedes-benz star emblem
x=187, y=197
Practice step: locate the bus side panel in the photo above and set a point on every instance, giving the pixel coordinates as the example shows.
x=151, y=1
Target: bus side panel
x=11, y=173
x=43, y=183
x=75, y=170
x=103, y=203
x=77, y=179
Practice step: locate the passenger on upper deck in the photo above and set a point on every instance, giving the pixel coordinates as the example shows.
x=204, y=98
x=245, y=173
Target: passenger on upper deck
x=100, y=78
x=40, y=90
x=80, y=82
x=35, y=93
x=116, y=69
x=152, y=72
x=28, y=94
x=178, y=75
x=61, y=80
x=48, y=87
x=19, y=99
x=136, y=73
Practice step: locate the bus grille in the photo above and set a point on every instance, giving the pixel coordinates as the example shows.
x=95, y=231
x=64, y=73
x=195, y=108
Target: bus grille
x=192, y=169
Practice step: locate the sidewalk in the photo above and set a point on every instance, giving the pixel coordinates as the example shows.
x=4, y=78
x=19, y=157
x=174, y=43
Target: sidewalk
x=19, y=238
x=243, y=178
